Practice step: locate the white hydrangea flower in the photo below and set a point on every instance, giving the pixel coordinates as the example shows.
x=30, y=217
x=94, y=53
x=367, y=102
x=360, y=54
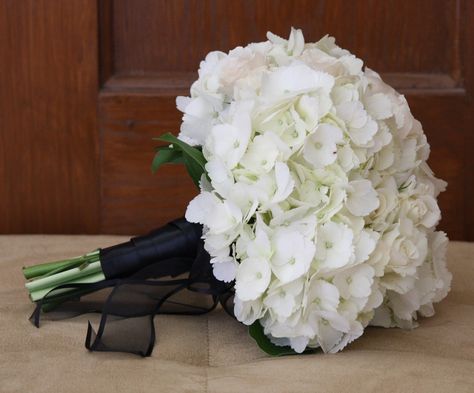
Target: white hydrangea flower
x=318, y=200
x=334, y=247
x=283, y=181
x=217, y=215
x=247, y=312
x=283, y=299
x=320, y=148
x=361, y=127
x=228, y=142
x=224, y=268
x=294, y=79
x=292, y=254
x=252, y=278
x=362, y=198
x=355, y=282
x=261, y=154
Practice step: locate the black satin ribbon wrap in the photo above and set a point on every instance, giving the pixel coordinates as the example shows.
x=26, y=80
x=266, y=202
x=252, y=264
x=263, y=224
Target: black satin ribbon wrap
x=178, y=239
x=167, y=271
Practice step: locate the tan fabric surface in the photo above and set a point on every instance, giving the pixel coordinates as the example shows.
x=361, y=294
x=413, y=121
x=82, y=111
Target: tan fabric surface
x=214, y=354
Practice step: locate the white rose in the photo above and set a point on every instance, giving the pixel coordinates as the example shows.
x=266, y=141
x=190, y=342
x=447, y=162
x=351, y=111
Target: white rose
x=385, y=214
x=422, y=210
x=438, y=247
x=407, y=252
x=240, y=63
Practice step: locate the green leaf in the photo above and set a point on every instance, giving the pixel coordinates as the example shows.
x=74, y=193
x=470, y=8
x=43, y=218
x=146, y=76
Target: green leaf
x=256, y=332
x=180, y=151
x=193, y=153
x=166, y=154
x=194, y=170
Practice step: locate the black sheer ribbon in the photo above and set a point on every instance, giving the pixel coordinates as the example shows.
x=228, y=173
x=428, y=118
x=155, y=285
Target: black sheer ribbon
x=165, y=272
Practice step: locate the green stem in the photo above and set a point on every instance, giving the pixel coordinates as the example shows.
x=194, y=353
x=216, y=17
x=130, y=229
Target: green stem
x=48, y=268
x=64, y=276
x=87, y=259
x=39, y=293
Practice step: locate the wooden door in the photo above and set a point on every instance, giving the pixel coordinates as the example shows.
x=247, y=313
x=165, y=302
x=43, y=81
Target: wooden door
x=85, y=85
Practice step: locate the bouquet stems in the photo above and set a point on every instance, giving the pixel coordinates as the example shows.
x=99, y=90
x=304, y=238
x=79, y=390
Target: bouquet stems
x=47, y=276
x=49, y=268
x=177, y=239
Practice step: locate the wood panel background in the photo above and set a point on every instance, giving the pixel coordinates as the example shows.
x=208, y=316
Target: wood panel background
x=49, y=140
x=111, y=75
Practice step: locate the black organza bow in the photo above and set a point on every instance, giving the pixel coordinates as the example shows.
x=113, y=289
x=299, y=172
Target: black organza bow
x=165, y=272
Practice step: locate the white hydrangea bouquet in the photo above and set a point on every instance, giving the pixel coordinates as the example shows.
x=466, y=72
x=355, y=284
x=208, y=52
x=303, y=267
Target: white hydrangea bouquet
x=315, y=194
x=316, y=206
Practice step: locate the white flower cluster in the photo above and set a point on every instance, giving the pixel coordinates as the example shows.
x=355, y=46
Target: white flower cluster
x=319, y=202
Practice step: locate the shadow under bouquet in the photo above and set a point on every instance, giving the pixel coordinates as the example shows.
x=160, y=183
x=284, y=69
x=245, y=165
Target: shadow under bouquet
x=316, y=214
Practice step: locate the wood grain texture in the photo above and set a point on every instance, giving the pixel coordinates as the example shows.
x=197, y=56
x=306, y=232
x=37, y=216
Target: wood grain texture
x=48, y=123
x=179, y=82
x=448, y=159
x=134, y=200
x=106, y=39
x=390, y=35
x=466, y=39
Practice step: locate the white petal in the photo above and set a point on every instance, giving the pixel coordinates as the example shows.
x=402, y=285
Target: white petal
x=299, y=344
x=225, y=271
x=296, y=42
x=334, y=245
x=320, y=148
x=295, y=79
x=292, y=254
x=363, y=135
x=200, y=207
x=284, y=182
x=362, y=198
x=360, y=286
x=198, y=107
x=252, y=278
x=182, y=103
x=336, y=320
x=328, y=337
x=365, y=245
x=356, y=330
x=260, y=246
x=324, y=294
x=379, y=106
x=247, y=312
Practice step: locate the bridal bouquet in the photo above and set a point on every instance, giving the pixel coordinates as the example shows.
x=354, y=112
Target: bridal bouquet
x=316, y=201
